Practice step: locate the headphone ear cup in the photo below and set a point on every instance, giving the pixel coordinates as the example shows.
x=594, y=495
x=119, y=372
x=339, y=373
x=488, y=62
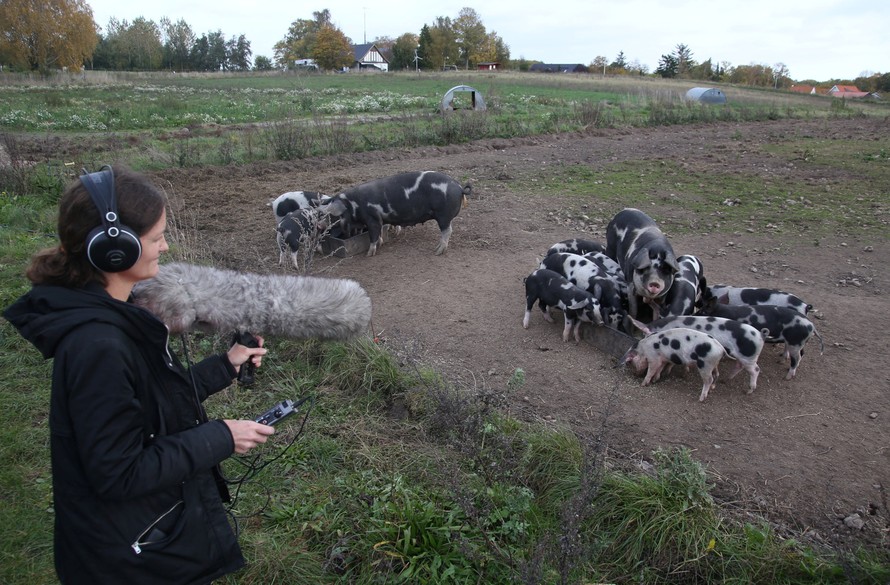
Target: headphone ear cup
x=113, y=254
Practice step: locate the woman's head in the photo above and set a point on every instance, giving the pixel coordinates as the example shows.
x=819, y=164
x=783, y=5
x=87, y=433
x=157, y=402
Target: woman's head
x=140, y=206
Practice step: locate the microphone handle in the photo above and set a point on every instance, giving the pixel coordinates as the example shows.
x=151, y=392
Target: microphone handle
x=246, y=375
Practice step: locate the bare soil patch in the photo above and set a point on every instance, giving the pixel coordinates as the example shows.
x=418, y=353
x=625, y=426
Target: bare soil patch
x=807, y=453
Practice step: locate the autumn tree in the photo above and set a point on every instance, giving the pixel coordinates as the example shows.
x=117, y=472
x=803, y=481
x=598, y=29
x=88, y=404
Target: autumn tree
x=599, y=64
x=299, y=42
x=438, y=45
x=332, y=50
x=40, y=35
x=471, y=36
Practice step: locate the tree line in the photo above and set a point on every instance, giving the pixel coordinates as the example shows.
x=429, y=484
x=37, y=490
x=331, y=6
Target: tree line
x=47, y=35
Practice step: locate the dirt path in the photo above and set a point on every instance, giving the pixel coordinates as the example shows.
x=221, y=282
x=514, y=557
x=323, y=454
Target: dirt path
x=809, y=452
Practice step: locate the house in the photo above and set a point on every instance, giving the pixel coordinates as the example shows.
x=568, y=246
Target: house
x=811, y=89
x=488, y=66
x=369, y=57
x=846, y=91
x=559, y=68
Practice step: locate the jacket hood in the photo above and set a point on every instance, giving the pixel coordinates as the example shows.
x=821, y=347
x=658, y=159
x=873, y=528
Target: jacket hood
x=46, y=314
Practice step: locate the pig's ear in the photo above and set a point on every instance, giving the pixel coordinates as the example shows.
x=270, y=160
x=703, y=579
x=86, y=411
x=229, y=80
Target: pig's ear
x=671, y=261
x=641, y=260
x=579, y=304
x=334, y=207
x=639, y=325
x=628, y=356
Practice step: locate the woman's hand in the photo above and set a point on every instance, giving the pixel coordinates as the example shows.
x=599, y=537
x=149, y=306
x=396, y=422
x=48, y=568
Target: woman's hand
x=248, y=434
x=239, y=354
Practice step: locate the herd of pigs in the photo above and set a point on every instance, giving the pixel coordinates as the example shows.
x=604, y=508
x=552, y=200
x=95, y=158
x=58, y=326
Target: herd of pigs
x=634, y=283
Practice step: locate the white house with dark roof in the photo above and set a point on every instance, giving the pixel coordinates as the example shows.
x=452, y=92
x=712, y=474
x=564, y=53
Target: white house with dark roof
x=368, y=56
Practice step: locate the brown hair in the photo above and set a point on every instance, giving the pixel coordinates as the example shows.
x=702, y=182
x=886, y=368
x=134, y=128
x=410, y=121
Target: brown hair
x=139, y=204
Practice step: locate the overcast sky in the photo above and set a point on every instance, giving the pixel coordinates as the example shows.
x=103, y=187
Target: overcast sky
x=815, y=39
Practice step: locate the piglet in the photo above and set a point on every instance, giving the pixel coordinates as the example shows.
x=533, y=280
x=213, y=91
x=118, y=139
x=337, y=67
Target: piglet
x=746, y=295
x=550, y=289
x=742, y=342
x=297, y=230
x=576, y=246
x=677, y=346
x=782, y=325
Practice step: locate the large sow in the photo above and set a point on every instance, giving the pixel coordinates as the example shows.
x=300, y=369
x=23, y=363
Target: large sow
x=401, y=200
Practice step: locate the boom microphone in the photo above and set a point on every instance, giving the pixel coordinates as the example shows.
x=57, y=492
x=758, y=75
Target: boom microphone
x=188, y=297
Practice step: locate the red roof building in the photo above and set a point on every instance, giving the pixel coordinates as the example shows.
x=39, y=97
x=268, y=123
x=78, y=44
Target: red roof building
x=846, y=91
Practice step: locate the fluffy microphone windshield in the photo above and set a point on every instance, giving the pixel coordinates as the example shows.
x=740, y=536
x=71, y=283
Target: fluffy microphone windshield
x=189, y=297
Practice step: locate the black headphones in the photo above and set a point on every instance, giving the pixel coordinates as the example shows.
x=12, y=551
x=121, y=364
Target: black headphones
x=111, y=247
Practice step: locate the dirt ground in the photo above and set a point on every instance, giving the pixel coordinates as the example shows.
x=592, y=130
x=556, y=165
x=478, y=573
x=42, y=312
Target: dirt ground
x=809, y=454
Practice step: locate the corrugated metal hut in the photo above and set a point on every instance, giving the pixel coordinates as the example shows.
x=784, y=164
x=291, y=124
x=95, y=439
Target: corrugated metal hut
x=477, y=102
x=706, y=95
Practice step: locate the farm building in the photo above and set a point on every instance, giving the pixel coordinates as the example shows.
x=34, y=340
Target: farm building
x=488, y=66
x=846, y=91
x=369, y=57
x=559, y=68
x=706, y=95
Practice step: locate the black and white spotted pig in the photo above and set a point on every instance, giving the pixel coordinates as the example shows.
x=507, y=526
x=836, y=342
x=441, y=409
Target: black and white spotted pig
x=295, y=230
x=746, y=295
x=294, y=200
x=644, y=254
x=742, y=342
x=550, y=289
x=587, y=275
x=401, y=200
x=576, y=246
x=687, y=290
x=685, y=347
x=782, y=325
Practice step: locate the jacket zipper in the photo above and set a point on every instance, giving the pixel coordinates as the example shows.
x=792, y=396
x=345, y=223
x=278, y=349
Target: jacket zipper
x=138, y=543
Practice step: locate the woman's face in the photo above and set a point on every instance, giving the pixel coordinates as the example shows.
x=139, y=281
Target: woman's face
x=154, y=243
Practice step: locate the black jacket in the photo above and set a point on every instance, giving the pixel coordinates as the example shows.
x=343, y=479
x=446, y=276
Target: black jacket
x=135, y=483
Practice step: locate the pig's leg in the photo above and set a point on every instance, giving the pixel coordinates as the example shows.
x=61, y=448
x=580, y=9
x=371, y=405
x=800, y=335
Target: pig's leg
x=568, y=327
x=795, y=354
x=654, y=371
x=375, y=229
x=546, y=310
x=443, y=239
x=753, y=371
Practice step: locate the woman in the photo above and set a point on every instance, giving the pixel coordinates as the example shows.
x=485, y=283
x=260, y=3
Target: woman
x=137, y=492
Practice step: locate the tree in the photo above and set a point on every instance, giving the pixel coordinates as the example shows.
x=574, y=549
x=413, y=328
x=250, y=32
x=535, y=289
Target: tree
x=299, y=42
x=135, y=46
x=238, y=53
x=178, y=42
x=780, y=75
x=667, y=66
x=685, y=62
x=619, y=65
x=262, y=63
x=333, y=50
x=471, y=36
x=438, y=45
x=599, y=64
x=403, y=51
x=40, y=35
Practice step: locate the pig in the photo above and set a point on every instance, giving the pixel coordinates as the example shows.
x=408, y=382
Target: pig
x=645, y=256
x=587, y=275
x=735, y=295
x=686, y=347
x=576, y=246
x=742, y=342
x=296, y=230
x=401, y=200
x=686, y=293
x=550, y=289
x=779, y=324
x=294, y=200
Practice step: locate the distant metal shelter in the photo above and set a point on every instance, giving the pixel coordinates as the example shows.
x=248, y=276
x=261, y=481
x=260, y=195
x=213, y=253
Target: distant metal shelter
x=475, y=97
x=706, y=95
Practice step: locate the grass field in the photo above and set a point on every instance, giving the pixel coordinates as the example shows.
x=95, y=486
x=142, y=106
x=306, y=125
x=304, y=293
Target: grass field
x=447, y=489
